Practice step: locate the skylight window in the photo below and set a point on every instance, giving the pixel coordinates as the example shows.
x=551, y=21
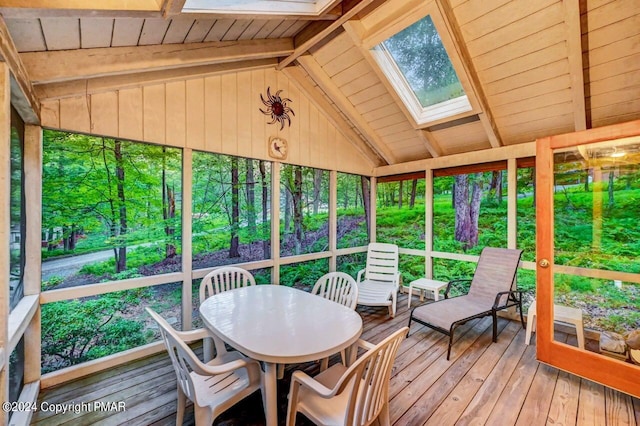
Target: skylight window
x=417, y=64
x=267, y=7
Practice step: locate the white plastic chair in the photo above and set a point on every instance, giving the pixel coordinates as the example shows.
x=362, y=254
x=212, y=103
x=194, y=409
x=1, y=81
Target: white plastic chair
x=338, y=287
x=224, y=279
x=353, y=396
x=218, y=281
x=378, y=283
x=214, y=387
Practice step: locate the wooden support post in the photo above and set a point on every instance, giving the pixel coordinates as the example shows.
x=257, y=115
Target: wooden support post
x=372, y=203
x=333, y=218
x=428, y=223
x=275, y=222
x=187, y=245
x=33, y=251
x=5, y=192
x=512, y=203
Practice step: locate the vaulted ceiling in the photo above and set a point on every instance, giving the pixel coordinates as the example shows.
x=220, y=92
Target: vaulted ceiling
x=534, y=68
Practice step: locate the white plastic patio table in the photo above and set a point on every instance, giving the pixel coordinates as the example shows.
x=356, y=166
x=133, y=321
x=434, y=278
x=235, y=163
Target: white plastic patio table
x=280, y=325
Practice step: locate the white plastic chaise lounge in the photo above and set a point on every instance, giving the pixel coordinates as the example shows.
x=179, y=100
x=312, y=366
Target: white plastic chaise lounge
x=378, y=283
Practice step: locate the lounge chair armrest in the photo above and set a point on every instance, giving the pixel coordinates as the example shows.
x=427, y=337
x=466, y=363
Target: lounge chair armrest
x=360, y=274
x=303, y=378
x=496, y=303
x=451, y=283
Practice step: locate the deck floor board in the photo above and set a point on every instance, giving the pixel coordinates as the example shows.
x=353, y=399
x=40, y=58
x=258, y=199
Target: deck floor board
x=484, y=383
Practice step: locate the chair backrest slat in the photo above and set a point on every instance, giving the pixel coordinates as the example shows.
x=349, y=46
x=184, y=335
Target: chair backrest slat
x=382, y=262
x=338, y=287
x=224, y=279
x=495, y=272
x=369, y=379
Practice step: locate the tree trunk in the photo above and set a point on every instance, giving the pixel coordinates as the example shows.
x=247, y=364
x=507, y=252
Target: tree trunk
x=461, y=206
x=533, y=184
x=586, y=181
x=65, y=238
x=414, y=188
x=345, y=200
x=297, y=210
x=168, y=210
x=496, y=185
x=400, y=195
x=611, y=199
x=251, y=198
x=234, y=248
x=169, y=216
x=366, y=198
x=73, y=238
x=317, y=186
x=51, y=240
x=122, y=207
x=474, y=213
x=467, y=210
x=287, y=211
x=265, y=223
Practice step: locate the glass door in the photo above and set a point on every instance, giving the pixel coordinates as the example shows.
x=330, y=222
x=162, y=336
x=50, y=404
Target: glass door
x=588, y=251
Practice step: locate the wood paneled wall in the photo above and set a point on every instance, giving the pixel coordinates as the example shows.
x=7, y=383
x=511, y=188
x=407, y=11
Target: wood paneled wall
x=216, y=114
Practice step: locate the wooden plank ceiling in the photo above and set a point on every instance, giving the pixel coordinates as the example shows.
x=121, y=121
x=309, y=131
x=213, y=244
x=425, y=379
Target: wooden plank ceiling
x=537, y=68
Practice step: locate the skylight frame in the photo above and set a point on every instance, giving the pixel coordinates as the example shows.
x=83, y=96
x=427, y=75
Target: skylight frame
x=391, y=19
x=420, y=113
x=261, y=7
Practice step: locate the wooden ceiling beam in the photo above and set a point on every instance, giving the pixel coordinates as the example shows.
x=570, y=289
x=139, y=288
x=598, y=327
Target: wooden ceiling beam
x=315, y=32
x=430, y=143
x=573, y=30
x=124, y=81
x=23, y=97
x=325, y=83
x=81, y=9
x=297, y=77
x=100, y=62
x=172, y=7
x=486, y=117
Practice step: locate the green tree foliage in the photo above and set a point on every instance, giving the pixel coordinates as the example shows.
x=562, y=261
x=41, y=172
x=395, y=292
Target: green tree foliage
x=114, y=191
x=226, y=206
x=352, y=210
x=75, y=331
x=305, y=191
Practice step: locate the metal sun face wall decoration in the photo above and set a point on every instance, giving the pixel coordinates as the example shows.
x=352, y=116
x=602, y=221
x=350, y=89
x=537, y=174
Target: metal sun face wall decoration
x=277, y=107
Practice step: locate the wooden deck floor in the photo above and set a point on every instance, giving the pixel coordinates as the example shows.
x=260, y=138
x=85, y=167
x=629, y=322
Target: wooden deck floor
x=484, y=383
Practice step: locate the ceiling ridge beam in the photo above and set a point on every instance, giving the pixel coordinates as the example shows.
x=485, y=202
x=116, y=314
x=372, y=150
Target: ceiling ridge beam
x=323, y=81
x=297, y=77
x=486, y=117
x=100, y=62
x=573, y=30
x=23, y=97
x=314, y=33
